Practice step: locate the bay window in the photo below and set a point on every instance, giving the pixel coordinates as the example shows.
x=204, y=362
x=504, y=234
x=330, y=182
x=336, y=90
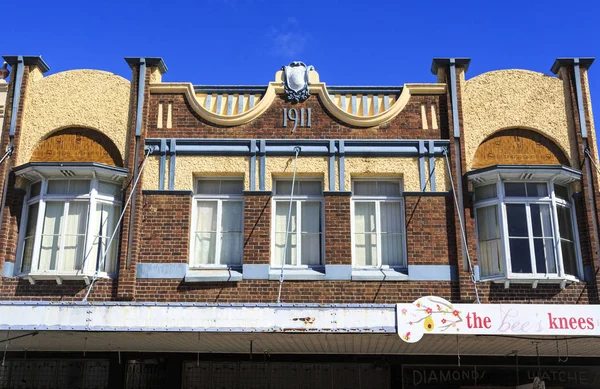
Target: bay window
x=305, y=237
x=378, y=239
x=217, y=237
x=70, y=216
x=526, y=225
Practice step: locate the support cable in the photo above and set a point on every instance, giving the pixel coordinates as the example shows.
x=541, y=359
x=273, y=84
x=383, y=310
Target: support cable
x=133, y=188
x=287, y=230
x=9, y=151
x=587, y=154
x=462, y=228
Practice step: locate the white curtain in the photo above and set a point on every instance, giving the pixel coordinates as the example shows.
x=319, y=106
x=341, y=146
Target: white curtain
x=311, y=233
x=106, y=220
x=391, y=234
x=231, y=232
x=365, y=234
x=281, y=218
x=74, y=239
x=488, y=231
x=51, y=235
x=205, y=244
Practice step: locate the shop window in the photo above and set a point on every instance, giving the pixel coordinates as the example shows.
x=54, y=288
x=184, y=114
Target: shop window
x=218, y=218
x=526, y=228
x=305, y=237
x=378, y=233
x=69, y=223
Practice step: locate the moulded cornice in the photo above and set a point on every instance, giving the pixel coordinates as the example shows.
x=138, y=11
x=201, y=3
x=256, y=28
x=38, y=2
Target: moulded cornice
x=318, y=88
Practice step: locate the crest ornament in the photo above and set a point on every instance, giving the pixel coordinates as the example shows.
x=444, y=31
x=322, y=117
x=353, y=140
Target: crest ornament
x=295, y=77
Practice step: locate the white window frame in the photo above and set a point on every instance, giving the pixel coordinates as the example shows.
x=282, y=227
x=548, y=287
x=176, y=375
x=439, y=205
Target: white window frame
x=92, y=198
x=378, y=200
x=501, y=200
x=219, y=199
x=297, y=200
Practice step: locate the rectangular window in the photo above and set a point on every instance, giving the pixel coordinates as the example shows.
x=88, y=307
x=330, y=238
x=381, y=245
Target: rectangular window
x=378, y=224
x=305, y=220
x=219, y=213
x=488, y=236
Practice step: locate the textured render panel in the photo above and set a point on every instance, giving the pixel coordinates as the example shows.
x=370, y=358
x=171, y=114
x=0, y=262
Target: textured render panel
x=78, y=98
x=514, y=98
x=314, y=167
x=188, y=167
x=406, y=168
x=151, y=173
x=591, y=130
x=442, y=178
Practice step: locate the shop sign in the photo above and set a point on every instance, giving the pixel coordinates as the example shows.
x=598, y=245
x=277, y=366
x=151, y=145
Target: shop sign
x=434, y=315
x=444, y=376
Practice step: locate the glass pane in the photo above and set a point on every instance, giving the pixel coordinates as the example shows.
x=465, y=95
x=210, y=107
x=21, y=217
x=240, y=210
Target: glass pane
x=485, y=192
x=569, y=257
x=391, y=217
x=488, y=233
x=540, y=220
x=109, y=189
x=512, y=189
x=231, y=236
x=232, y=186
x=365, y=239
x=36, y=189
x=561, y=192
x=51, y=235
x=281, y=223
x=301, y=188
x=209, y=186
x=537, y=190
x=106, y=218
x=376, y=188
x=565, y=225
x=73, y=187
x=517, y=219
x=311, y=233
x=391, y=249
x=205, y=243
x=520, y=257
x=74, y=243
x=32, y=217
x=232, y=215
x=544, y=255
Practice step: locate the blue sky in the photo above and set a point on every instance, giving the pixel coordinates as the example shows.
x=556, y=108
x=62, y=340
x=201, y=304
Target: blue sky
x=348, y=42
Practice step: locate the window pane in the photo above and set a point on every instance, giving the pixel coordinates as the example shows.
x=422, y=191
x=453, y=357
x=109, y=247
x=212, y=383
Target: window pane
x=567, y=240
x=74, y=241
x=281, y=218
x=391, y=238
x=517, y=219
x=485, y=192
x=220, y=187
x=365, y=239
x=36, y=189
x=106, y=217
x=209, y=186
x=569, y=257
x=311, y=233
x=537, y=190
x=108, y=189
x=51, y=235
x=488, y=233
x=376, y=188
x=561, y=192
x=206, y=233
x=520, y=257
x=540, y=220
x=32, y=217
x=565, y=225
x=544, y=255
x=301, y=188
x=72, y=187
x=232, y=186
x=231, y=232
x=513, y=189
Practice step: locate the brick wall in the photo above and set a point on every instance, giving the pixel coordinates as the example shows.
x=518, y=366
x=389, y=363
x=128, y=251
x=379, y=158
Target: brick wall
x=338, y=239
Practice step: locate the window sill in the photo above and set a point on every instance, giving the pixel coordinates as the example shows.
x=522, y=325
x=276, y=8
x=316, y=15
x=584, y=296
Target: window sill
x=534, y=282
x=213, y=275
x=379, y=275
x=299, y=274
x=59, y=277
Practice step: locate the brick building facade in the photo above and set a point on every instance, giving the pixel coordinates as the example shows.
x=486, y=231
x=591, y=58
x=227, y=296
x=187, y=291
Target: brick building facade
x=144, y=225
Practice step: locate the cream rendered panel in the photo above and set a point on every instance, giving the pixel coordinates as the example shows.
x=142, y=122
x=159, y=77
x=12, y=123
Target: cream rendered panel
x=315, y=167
x=187, y=168
x=77, y=98
x=3, y=93
x=514, y=98
x=591, y=130
x=150, y=180
x=405, y=168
